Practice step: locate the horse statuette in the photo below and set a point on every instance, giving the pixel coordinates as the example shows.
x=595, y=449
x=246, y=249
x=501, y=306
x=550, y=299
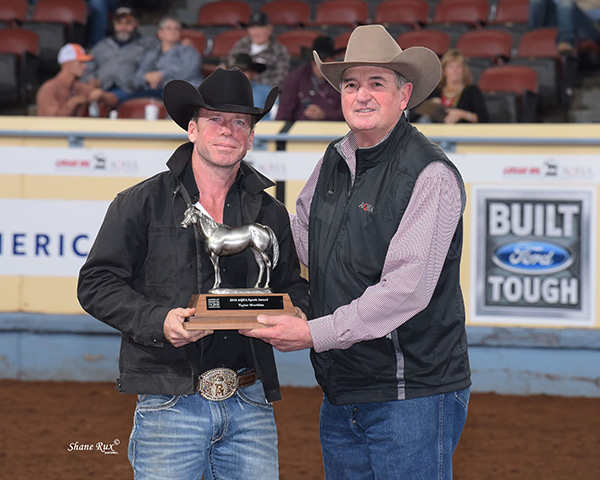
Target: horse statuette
x=222, y=240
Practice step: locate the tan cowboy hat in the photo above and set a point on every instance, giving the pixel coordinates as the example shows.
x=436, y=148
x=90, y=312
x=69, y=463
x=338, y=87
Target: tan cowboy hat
x=372, y=45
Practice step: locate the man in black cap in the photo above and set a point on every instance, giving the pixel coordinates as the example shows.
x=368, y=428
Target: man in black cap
x=116, y=57
x=143, y=268
x=306, y=95
x=263, y=48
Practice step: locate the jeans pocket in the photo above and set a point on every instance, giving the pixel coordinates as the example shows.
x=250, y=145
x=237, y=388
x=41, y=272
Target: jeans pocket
x=463, y=396
x=254, y=395
x=149, y=402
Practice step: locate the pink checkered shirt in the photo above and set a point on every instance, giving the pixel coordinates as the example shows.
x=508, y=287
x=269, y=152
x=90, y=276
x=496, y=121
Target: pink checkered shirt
x=412, y=265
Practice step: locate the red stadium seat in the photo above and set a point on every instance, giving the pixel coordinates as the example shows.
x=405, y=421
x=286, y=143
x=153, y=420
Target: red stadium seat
x=484, y=48
x=13, y=12
x=412, y=13
x=537, y=49
x=57, y=22
x=289, y=13
x=344, y=13
x=221, y=45
x=196, y=38
x=510, y=93
x=224, y=41
x=435, y=40
x=230, y=13
x=19, y=72
x=473, y=13
x=294, y=40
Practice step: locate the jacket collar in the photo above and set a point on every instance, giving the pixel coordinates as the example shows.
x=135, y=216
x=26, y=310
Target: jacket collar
x=371, y=156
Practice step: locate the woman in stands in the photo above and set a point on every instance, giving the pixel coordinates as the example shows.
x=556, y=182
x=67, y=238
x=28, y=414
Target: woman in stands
x=456, y=99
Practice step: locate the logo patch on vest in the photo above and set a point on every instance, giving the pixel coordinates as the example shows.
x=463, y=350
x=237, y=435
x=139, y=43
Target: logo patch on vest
x=367, y=207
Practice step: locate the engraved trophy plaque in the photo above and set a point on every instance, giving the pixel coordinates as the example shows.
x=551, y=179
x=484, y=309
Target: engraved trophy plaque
x=235, y=308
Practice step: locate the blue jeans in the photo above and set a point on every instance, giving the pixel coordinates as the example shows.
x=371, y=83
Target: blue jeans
x=399, y=440
x=572, y=22
x=186, y=436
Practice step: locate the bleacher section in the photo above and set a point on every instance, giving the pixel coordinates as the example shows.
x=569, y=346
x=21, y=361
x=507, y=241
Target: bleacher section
x=563, y=81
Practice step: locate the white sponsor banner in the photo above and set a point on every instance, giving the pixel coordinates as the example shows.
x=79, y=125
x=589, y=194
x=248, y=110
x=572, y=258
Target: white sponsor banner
x=47, y=237
x=283, y=166
x=95, y=162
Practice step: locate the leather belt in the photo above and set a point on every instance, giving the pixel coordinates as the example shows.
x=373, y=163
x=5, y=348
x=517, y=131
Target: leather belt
x=221, y=383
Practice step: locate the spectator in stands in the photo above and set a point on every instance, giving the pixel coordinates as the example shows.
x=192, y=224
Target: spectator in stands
x=65, y=95
x=576, y=20
x=306, y=95
x=456, y=99
x=168, y=60
x=251, y=69
x=116, y=58
x=263, y=48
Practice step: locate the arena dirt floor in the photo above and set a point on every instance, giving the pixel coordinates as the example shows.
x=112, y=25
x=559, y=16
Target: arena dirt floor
x=506, y=437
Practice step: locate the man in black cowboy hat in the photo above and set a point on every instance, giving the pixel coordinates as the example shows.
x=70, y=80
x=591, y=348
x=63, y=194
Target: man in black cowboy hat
x=380, y=224
x=306, y=94
x=142, y=270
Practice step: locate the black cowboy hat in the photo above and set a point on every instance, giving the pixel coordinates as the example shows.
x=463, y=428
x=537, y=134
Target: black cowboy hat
x=243, y=61
x=222, y=91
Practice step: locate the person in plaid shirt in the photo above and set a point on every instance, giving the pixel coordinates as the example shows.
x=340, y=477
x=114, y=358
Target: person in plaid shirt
x=262, y=48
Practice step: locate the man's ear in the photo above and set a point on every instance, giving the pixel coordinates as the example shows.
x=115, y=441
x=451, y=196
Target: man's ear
x=406, y=92
x=192, y=131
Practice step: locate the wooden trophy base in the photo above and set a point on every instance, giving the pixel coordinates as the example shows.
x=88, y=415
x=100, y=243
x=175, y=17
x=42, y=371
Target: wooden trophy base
x=236, y=311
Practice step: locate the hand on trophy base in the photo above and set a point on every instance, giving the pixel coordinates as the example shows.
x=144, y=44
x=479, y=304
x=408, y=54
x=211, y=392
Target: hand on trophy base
x=236, y=311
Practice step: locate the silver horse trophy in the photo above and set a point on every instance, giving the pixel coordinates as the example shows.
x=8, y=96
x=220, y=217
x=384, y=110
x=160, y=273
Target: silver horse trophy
x=229, y=304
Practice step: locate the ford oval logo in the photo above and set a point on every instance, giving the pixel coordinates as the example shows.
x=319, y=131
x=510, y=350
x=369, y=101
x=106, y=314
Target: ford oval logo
x=532, y=257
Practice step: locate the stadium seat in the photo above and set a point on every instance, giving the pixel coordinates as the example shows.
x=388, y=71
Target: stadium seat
x=287, y=13
x=510, y=93
x=196, y=38
x=219, y=49
x=136, y=108
x=484, y=48
x=335, y=16
x=512, y=16
x=13, y=12
x=435, y=40
x=294, y=40
x=24, y=46
x=224, y=13
x=57, y=22
x=456, y=17
x=537, y=49
x=399, y=16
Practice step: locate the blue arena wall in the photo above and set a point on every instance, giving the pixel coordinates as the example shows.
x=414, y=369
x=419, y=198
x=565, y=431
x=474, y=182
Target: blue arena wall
x=518, y=361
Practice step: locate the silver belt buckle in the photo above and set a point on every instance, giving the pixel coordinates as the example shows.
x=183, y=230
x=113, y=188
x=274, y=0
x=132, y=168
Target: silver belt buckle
x=218, y=384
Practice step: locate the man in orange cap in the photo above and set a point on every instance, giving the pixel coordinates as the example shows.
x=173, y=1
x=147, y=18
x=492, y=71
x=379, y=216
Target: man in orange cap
x=65, y=95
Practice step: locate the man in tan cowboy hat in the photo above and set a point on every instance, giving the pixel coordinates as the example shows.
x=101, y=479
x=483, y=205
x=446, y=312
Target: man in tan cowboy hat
x=204, y=405
x=379, y=224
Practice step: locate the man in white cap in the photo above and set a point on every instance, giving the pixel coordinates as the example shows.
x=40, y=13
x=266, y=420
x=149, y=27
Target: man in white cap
x=379, y=224
x=65, y=95
x=205, y=398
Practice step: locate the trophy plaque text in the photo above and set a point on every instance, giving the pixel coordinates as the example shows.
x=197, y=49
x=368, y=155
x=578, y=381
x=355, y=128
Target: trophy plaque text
x=234, y=312
x=235, y=308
